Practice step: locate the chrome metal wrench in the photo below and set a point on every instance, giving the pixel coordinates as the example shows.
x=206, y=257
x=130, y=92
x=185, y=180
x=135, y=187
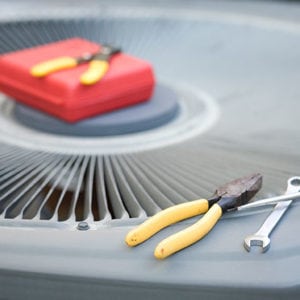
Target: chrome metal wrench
x=261, y=237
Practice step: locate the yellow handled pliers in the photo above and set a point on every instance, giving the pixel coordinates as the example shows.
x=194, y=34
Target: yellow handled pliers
x=98, y=65
x=227, y=197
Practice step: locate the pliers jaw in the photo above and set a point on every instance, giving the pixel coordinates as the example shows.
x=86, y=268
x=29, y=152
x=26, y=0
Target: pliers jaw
x=237, y=192
x=104, y=54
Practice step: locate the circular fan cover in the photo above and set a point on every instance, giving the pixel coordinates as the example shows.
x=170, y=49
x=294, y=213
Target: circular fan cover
x=159, y=110
x=237, y=85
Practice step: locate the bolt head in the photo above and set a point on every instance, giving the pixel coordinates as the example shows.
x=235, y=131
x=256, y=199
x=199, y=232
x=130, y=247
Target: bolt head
x=83, y=226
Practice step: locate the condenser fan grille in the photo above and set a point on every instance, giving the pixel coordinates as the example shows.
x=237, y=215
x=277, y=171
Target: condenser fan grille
x=72, y=188
x=69, y=188
x=126, y=32
x=47, y=186
x=68, y=179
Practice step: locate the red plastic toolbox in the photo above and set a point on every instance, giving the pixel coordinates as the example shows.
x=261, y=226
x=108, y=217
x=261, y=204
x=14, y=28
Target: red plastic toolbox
x=129, y=80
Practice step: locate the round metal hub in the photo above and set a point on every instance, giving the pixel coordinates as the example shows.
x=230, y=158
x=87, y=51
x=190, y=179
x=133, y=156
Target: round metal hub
x=160, y=109
x=197, y=112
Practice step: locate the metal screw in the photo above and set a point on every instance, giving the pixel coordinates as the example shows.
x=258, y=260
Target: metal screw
x=83, y=226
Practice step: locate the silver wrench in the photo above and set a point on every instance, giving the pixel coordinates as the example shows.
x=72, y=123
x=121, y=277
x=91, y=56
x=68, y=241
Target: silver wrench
x=261, y=237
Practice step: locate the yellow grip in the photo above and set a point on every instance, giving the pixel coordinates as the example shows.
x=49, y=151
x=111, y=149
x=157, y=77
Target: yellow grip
x=97, y=69
x=165, y=218
x=190, y=235
x=53, y=65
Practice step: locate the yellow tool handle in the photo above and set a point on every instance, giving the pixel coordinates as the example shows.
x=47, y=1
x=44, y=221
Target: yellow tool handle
x=53, y=65
x=97, y=69
x=165, y=218
x=190, y=235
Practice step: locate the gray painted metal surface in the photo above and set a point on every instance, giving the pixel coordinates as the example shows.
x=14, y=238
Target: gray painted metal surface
x=246, y=58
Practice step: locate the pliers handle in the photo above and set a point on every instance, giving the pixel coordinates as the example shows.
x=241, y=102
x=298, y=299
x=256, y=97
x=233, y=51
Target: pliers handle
x=53, y=65
x=173, y=215
x=95, y=72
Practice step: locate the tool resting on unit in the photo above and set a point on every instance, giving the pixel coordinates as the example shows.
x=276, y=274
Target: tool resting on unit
x=261, y=237
x=98, y=65
x=229, y=196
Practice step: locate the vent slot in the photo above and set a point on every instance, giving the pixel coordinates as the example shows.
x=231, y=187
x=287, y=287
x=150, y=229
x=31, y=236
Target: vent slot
x=62, y=188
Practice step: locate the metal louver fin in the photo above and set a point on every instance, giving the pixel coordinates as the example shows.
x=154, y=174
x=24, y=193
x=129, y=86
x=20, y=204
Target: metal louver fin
x=115, y=202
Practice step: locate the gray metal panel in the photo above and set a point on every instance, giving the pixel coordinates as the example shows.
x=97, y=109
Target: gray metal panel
x=217, y=266
x=249, y=63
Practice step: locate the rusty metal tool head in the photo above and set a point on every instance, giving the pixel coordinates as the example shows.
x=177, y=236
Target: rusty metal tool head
x=103, y=54
x=295, y=181
x=237, y=192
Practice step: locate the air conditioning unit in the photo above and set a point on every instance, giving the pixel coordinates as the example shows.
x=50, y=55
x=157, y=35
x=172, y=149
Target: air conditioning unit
x=225, y=105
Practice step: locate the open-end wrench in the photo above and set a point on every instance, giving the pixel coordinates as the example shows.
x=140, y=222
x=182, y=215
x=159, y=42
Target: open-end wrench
x=261, y=237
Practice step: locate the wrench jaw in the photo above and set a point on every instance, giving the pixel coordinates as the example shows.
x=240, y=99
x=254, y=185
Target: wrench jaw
x=261, y=237
x=258, y=241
